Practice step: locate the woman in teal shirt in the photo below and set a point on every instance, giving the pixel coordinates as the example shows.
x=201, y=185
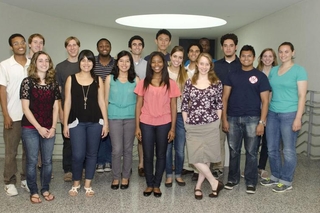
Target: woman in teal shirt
x=289, y=89
x=121, y=102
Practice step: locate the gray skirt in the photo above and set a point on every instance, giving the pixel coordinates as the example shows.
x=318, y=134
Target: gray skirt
x=203, y=143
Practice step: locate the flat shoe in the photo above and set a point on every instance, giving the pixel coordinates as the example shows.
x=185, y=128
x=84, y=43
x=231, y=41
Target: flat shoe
x=148, y=193
x=157, y=194
x=74, y=191
x=124, y=186
x=198, y=197
x=215, y=193
x=181, y=183
x=34, y=197
x=115, y=186
x=48, y=196
x=89, y=191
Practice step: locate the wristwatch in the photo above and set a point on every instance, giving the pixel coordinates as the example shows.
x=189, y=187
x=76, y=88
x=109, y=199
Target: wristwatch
x=262, y=122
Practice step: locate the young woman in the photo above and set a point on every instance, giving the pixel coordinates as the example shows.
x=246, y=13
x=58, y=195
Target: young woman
x=177, y=73
x=289, y=89
x=267, y=60
x=201, y=111
x=39, y=94
x=85, y=120
x=156, y=112
x=121, y=103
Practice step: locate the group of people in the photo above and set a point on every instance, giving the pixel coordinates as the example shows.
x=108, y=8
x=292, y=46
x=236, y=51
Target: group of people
x=103, y=103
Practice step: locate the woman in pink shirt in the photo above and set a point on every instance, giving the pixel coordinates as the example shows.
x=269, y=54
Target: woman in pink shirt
x=156, y=113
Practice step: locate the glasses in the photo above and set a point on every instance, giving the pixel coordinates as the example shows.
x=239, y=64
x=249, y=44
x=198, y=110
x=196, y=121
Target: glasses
x=17, y=43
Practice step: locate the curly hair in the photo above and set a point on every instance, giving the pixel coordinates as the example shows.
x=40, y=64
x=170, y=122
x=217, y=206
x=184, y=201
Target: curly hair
x=33, y=72
x=212, y=77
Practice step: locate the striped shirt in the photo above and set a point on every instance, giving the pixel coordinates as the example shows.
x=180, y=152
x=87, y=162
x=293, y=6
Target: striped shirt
x=101, y=70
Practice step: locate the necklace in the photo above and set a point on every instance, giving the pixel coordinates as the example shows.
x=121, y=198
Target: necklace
x=85, y=97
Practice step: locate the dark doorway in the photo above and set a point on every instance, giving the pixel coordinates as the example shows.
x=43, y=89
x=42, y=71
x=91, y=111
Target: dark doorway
x=186, y=42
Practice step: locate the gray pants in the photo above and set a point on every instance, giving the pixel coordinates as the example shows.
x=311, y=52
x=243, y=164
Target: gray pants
x=122, y=138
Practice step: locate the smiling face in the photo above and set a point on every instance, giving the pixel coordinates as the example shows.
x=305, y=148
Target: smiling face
x=42, y=63
x=72, y=48
x=203, y=65
x=193, y=53
x=136, y=47
x=246, y=59
x=267, y=58
x=86, y=65
x=104, y=48
x=285, y=53
x=18, y=46
x=124, y=64
x=36, y=44
x=157, y=64
x=176, y=58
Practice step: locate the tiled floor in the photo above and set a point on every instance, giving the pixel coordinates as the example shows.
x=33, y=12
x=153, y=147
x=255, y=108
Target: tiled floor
x=305, y=196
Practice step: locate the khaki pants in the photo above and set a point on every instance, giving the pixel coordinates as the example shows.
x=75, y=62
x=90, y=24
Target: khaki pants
x=11, y=139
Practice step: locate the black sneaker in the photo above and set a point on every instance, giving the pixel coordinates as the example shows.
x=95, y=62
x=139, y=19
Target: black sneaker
x=230, y=185
x=251, y=189
x=217, y=173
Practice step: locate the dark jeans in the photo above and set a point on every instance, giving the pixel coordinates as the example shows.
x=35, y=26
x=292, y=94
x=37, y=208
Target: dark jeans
x=66, y=153
x=105, y=151
x=243, y=128
x=263, y=152
x=154, y=136
x=33, y=142
x=85, y=139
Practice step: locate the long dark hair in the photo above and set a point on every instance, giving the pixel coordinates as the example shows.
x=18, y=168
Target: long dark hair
x=149, y=72
x=90, y=56
x=131, y=72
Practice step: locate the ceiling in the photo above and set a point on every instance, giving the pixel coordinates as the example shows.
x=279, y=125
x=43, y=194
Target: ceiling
x=103, y=13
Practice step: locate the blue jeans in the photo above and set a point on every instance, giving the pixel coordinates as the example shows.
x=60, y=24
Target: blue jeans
x=105, y=150
x=33, y=142
x=263, y=152
x=178, y=144
x=154, y=136
x=279, y=128
x=243, y=128
x=85, y=139
x=66, y=153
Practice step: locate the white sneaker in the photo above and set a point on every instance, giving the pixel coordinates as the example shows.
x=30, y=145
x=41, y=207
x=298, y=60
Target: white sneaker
x=11, y=190
x=24, y=185
x=107, y=167
x=100, y=168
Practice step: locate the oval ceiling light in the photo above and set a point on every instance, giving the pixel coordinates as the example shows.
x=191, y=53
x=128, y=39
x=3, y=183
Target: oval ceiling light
x=171, y=21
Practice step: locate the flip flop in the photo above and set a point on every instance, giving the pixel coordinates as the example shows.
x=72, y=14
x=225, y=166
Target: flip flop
x=35, y=197
x=48, y=196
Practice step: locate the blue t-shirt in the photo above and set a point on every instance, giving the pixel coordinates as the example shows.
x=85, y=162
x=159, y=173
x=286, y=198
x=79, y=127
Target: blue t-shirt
x=285, y=89
x=244, y=99
x=222, y=68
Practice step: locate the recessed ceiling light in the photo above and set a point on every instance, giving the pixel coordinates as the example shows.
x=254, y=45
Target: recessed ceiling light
x=171, y=21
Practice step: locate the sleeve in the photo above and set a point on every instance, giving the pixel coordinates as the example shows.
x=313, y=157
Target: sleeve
x=219, y=104
x=57, y=94
x=265, y=85
x=24, y=89
x=139, y=88
x=58, y=75
x=186, y=96
x=3, y=76
x=174, y=89
x=228, y=79
x=302, y=74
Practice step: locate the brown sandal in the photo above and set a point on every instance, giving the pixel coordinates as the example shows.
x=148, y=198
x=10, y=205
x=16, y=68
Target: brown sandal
x=198, y=197
x=48, y=196
x=35, y=199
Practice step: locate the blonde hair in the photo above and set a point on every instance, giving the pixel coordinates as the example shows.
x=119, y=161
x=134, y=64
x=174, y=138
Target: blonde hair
x=212, y=77
x=32, y=70
x=182, y=75
x=274, y=63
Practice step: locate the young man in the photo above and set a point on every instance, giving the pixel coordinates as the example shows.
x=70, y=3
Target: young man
x=163, y=41
x=230, y=62
x=36, y=43
x=245, y=106
x=63, y=70
x=136, y=45
x=104, y=65
x=12, y=72
x=205, y=46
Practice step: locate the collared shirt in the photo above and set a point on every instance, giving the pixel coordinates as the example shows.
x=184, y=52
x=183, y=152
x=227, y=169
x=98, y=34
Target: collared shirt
x=222, y=68
x=11, y=75
x=101, y=70
x=141, y=68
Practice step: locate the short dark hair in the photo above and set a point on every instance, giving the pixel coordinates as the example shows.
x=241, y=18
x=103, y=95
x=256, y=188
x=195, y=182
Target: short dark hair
x=90, y=56
x=231, y=36
x=14, y=36
x=195, y=44
x=248, y=48
x=136, y=37
x=163, y=31
x=103, y=39
x=204, y=38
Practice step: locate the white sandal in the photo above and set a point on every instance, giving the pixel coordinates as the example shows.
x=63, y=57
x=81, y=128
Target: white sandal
x=74, y=191
x=89, y=191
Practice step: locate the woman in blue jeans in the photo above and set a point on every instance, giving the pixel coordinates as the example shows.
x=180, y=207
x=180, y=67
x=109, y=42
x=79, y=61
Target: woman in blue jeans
x=39, y=94
x=177, y=73
x=85, y=120
x=289, y=89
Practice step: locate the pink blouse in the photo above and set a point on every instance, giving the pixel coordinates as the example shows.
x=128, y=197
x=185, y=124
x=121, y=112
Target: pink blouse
x=156, y=103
